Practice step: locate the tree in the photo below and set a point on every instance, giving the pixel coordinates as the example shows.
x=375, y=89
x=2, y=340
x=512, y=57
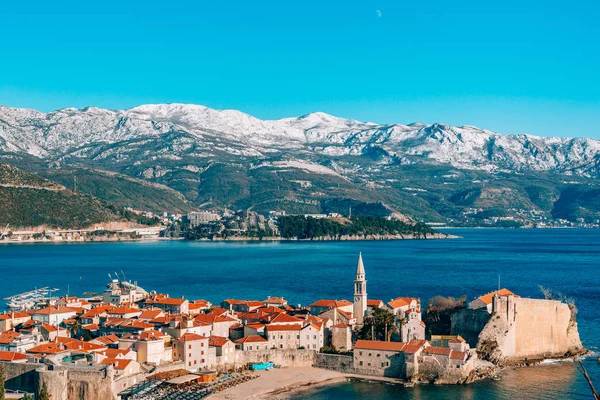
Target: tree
x=27, y=396
x=1, y=381
x=44, y=394
x=380, y=325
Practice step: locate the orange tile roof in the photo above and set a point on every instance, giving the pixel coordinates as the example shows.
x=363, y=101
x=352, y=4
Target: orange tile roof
x=331, y=303
x=374, y=303
x=341, y=325
x=217, y=341
x=52, y=310
x=12, y=356
x=414, y=346
x=275, y=300
x=8, y=336
x=255, y=325
x=270, y=310
x=401, y=302
x=108, y=339
x=284, y=318
x=458, y=355
x=47, y=348
x=49, y=327
x=190, y=337
x=170, y=301
x=115, y=353
x=441, y=351
x=151, y=313
x=16, y=315
x=458, y=339
x=378, y=345
x=151, y=334
x=235, y=301
x=345, y=314
x=123, y=310
x=277, y=328
x=251, y=339
x=117, y=363
x=487, y=298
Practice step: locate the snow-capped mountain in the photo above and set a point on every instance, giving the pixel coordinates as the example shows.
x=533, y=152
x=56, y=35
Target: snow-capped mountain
x=77, y=133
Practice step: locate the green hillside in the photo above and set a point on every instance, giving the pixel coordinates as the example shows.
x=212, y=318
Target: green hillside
x=27, y=200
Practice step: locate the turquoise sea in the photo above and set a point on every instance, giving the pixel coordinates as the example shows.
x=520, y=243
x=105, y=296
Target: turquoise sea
x=566, y=260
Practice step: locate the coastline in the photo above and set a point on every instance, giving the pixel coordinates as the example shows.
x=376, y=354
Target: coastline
x=235, y=239
x=286, y=383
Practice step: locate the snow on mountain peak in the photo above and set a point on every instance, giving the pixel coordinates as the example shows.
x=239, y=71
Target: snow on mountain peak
x=67, y=130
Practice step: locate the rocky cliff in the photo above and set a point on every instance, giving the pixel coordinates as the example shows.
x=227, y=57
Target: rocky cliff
x=525, y=330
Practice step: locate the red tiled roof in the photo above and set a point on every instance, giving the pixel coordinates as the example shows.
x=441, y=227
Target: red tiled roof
x=217, y=341
x=190, y=337
x=54, y=310
x=441, y=351
x=16, y=315
x=166, y=301
x=331, y=303
x=487, y=298
x=8, y=336
x=47, y=348
x=151, y=335
x=458, y=355
x=275, y=300
x=414, y=346
x=117, y=363
x=115, y=353
x=251, y=339
x=378, y=345
x=374, y=303
x=11, y=356
x=401, y=302
x=341, y=325
x=108, y=339
x=276, y=328
x=151, y=313
x=279, y=318
x=458, y=339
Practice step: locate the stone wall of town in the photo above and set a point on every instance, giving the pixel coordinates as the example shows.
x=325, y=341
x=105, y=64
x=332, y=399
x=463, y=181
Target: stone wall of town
x=73, y=383
x=529, y=329
x=337, y=362
x=21, y=376
x=285, y=357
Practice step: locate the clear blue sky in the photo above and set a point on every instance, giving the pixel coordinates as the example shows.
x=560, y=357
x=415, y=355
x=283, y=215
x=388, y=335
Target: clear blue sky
x=509, y=66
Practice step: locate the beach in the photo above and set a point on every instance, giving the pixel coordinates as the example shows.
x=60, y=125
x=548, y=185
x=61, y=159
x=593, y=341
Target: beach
x=280, y=383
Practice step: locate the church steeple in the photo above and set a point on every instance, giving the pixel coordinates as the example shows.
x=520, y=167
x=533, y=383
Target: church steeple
x=360, y=291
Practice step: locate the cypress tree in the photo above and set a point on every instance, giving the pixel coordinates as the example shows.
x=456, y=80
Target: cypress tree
x=44, y=395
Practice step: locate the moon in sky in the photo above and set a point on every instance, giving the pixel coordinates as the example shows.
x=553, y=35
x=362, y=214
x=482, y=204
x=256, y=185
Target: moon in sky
x=378, y=12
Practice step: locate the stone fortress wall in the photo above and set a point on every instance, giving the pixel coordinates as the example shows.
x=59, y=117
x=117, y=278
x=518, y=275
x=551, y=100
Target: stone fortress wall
x=522, y=329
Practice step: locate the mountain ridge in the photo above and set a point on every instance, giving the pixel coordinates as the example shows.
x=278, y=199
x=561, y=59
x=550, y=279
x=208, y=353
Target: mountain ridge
x=309, y=164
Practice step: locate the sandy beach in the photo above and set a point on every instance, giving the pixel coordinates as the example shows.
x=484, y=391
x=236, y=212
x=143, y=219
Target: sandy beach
x=279, y=383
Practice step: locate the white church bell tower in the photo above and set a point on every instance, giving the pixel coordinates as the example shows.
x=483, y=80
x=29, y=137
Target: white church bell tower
x=360, y=292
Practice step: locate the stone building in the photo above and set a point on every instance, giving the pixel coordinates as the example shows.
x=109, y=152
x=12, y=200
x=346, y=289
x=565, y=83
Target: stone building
x=192, y=349
x=377, y=358
x=485, y=301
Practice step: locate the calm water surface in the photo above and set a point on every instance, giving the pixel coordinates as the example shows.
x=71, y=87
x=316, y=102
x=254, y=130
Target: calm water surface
x=565, y=260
